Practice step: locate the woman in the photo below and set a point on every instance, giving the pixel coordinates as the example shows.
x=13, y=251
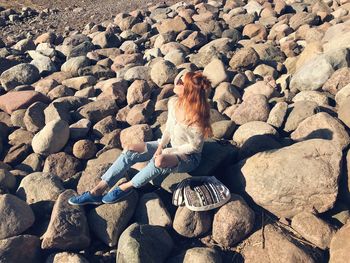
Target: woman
x=186, y=127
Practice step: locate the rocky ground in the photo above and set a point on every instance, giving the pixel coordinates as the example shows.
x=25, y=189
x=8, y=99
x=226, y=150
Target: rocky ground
x=280, y=99
x=33, y=17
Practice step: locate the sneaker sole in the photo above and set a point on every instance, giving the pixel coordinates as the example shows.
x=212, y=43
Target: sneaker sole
x=86, y=203
x=105, y=202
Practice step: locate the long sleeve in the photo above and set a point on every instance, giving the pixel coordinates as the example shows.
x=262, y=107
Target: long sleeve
x=165, y=139
x=195, y=144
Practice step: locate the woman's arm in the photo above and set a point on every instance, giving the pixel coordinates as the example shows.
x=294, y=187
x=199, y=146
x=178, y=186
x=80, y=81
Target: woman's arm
x=165, y=139
x=194, y=145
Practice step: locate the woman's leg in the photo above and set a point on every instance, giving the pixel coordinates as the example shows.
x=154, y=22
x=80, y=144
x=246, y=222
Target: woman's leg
x=119, y=167
x=131, y=155
x=144, y=176
x=164, y=163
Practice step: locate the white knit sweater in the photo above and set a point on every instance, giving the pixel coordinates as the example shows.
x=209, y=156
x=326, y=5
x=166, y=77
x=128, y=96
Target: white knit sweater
x=184, y=139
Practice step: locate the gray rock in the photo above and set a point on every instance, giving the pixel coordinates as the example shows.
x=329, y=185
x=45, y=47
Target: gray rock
x=24, y=45
x=312, y=75
x=7, y=180
x=40, y=191
x=298, y=112
x=152, y=211
x=313, y=229
x=144, y=243
x=225, y=95
x=138, y=92
x=140, y=113
x=17, y=153
x=106, y=40
x=277, y=114
x=104, y=126
x=343, y=112
x=322, y=125
x=29, y=252
x=55, y=111
x=251, y=129
x=190, y=224
x=163, y=72
x=72, y=65
x=52, y=138
x=97, y=110
x=45, y=65
x=215, y=71
x=108, y=221
x=34, y=118
x=16, y=217
x=66, y=257
x=68, y=227
x=136, y=134
x=223, y=129
x=33, y=163
x=198, y=254
x=253, y=108
x=79, y=129
x=245, y=58
x=277, y=239
x=21, y=74
x=80, y=83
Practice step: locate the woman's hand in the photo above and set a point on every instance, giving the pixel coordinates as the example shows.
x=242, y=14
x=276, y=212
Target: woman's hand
x=159, y=151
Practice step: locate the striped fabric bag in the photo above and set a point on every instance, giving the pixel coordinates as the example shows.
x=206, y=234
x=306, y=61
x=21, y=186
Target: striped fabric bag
x=201, y=193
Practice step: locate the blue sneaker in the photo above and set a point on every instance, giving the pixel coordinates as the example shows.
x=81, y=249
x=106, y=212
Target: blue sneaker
x=115, y=195
x=84, y=199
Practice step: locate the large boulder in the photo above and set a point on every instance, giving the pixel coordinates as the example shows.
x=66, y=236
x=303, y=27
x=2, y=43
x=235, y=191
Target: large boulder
x=16, y=216
x=287, y=181
x=68, y=227
x=143, y=244
x=21, y=74
x=52, y=138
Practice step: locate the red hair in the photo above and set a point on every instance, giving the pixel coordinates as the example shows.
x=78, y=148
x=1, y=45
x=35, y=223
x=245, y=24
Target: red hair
x=195, y=101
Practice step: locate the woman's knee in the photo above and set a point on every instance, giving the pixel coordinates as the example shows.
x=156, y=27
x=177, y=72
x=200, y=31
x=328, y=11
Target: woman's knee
x=159, y=161
x=139, y=147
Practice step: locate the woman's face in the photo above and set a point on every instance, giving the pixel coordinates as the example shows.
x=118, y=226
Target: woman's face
x=179, y=87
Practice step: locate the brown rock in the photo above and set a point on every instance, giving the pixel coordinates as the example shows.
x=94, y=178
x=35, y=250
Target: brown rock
x=62, y=164
x=15, y=100
x=245, y=58
x=233, y=222
x=190, y=223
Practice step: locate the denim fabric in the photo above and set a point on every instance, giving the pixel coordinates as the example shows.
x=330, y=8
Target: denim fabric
x=128, y=158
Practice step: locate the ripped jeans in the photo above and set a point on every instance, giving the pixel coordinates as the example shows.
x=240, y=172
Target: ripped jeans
x=128, y=158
